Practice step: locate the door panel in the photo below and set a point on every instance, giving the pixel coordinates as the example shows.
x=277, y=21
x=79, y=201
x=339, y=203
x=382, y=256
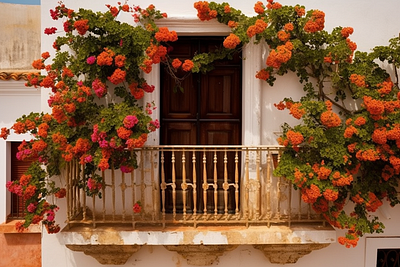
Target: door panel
x=220, y=90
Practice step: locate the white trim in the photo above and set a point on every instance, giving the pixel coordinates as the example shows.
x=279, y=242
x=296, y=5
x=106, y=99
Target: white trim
x=192, y=26
x=372, y=244
x=17, y=88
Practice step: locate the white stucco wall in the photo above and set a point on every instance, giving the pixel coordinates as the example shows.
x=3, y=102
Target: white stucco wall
x=374, y=24
x=15, y=100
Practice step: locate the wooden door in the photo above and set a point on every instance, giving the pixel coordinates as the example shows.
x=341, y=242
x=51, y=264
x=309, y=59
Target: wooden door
x=206, y=112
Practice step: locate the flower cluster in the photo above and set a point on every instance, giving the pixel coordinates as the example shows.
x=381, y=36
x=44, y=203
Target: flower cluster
x=96, y=119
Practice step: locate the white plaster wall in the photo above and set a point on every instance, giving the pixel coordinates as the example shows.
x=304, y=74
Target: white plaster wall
x=15, y=100
x=374, y=24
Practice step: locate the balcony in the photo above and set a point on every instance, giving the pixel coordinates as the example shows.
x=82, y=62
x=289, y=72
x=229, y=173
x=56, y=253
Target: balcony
x=199, y=201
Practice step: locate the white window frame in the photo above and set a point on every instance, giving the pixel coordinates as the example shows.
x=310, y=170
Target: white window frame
x=372, y=244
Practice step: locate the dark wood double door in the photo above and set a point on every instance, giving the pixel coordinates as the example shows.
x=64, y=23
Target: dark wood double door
x=206, y=112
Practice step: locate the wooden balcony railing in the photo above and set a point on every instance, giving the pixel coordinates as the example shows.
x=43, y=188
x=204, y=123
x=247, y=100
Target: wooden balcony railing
x=191, y=185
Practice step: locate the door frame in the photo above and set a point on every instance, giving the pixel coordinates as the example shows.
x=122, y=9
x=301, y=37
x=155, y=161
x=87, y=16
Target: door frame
x=253, y=60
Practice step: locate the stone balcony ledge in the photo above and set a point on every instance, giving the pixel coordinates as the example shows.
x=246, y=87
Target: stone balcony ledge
x=281, y=244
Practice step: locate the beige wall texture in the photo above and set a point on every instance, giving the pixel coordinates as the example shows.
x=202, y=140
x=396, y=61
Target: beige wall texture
x=19, y=36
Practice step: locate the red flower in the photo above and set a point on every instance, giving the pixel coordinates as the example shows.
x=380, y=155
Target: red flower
x=49, y=31
x=137, y=208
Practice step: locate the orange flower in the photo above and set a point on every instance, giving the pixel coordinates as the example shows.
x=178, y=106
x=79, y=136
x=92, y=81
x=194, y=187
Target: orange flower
x=105, y=58
x=273, y=5
x=176, y=63
x=296, y=111
x=394, y=134
x=280, y=105
x=300, y=11
x=58, y=114
x=278, y=56
x=360, y=121
x=164, y=35
x=146, y=67
x=120, y=61
x=323, y=173
x=81, y=26
x=231, y=41
x=387, y=172
x=316, y=22
x=330, y=119
x=374, y=107
x=295, y=138
x=373, y=203
x=136, y=92
x=349, y=131
x=259, y=8
x=352, y=147
x=263, y=74
x=283, y=36
x=357, y=199
x=299, y=178
x=227, y=9
x=39, y=146
x=379, y=136
x=288, y=27
x=257, y=28
x=232, y=24
x=67, y=72
x=187, y=65
x=346, y=31
x=117, y=77
x=311, y=194
x=156, y=53
x=358, y=80
x=341, y=180
x=82, y=146
x=38, y=64
x=124, y=133
x=204, y=12
x=330, y=194
x=367, y=155
x=351, y=45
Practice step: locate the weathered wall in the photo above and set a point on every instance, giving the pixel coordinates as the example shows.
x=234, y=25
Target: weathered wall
x=22, y=250
x=20, y=36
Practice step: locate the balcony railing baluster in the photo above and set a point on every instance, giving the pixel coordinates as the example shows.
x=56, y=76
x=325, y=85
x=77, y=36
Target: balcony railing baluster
x=236, y=184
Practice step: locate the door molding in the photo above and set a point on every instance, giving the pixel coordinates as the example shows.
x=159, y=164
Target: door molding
x=254, y=57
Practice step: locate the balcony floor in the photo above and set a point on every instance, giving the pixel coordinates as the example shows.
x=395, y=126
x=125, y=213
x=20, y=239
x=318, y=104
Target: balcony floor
x=120, y=234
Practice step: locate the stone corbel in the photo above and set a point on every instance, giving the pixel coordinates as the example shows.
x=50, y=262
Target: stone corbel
x=287, y=253
x=107, y=254
x=200, y=255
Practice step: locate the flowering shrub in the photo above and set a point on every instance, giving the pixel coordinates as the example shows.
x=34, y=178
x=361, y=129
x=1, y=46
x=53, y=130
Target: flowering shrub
x=338, y=153
x=96, y=115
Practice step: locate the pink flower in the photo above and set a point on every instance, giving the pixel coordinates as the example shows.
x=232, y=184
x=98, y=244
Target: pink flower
x=91, y=60
x=126, y=169
x=130, y=121
x=99, y=88
x=31, y=208
x=153, y=125
x=88, y=158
